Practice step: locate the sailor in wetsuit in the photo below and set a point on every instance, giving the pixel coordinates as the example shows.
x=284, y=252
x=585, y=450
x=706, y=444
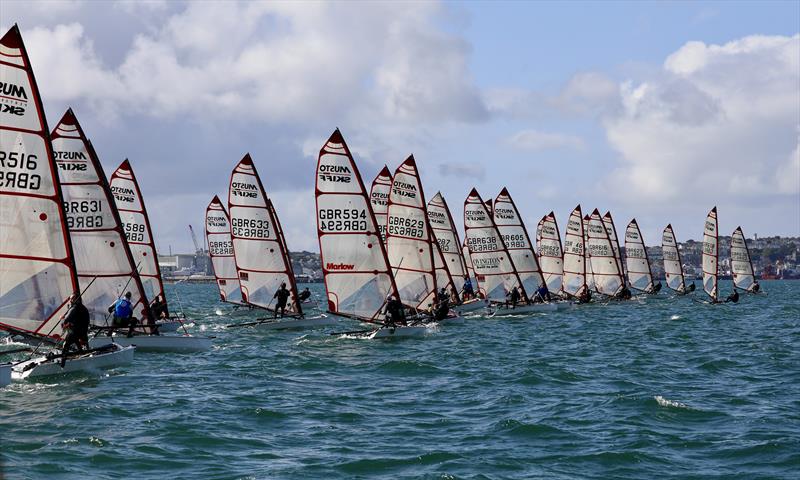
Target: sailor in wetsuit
x=512, y=297
x=468, y=291
x=395, y=312
x=542, y=294
x=282, y=294
x=304, y=295
x=442, y=306
x=733, y=297
x=76, y=327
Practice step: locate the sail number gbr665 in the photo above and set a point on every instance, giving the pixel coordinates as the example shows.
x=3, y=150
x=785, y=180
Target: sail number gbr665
x=343, y=219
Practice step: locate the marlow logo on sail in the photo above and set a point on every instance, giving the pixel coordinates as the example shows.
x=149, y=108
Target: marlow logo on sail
x=339, y=266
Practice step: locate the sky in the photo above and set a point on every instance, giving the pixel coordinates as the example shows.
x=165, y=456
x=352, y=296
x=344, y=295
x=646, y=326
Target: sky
x=653, y=110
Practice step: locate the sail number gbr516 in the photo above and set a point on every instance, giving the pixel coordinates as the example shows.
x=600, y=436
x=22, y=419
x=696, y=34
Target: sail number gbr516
x=18, y=170
x=343, y=220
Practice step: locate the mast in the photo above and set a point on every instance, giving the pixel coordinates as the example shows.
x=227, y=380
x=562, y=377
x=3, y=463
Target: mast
x=673, y=268
x=409, y=239
x=605, y=270
x=36, y=259
x=551, y=258
x=518, y=242
x=574, y=258
x=220, y=249
x=444, y=230
x=357, y=275
x=640, y=276
x=379, y=198
x=741, y=264
x=494, y=268
x=136, y=224
x=104, y=262
x=259, y=252
x=711, y=256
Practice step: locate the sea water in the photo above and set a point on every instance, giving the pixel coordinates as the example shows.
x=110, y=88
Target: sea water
x=658, y=387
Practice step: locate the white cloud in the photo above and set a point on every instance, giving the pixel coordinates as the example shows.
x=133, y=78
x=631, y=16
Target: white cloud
x=537, y=140
x=718, y=124
x=468, y=170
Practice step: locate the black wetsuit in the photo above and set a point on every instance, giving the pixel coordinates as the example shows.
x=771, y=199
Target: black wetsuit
x=76, y=323
x=283, y=296
x=304, y=295
x=733, y=297
x=442, y=308
x=513, y=297
x=395, y=310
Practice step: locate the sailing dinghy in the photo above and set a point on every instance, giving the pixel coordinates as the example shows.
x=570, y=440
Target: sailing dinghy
x=551, y=257
x=640, y=276
x=608, y=279
x=260, y=252
x=444, y=230
x=742, y=267
x=37, y=265
x=136, y=224
x=356, y=271
x=574, y=284
x=711, y=256
x=673, y=268
x=494, y=267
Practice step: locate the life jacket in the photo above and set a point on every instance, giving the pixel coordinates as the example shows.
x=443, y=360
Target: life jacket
x=123, y=308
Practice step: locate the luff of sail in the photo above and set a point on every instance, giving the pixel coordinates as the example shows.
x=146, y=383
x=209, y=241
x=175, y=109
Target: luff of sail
x=258, y=248
x=220, y=249
x=605, y=270
x=673, y=268
x=379, y=198
x=494, y=268
x=551, y=259
x=357, y=275
x=741, y=264
x=36, y=264
x=409, y=240
x=136, y=224
x=574, y=255
x=640, y=276
x=518, y=242
x=103, y=259
x=444, y=230
x=711, y=256
x=608, y=221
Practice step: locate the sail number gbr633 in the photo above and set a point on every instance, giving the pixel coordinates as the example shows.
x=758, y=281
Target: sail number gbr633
x=343, y=220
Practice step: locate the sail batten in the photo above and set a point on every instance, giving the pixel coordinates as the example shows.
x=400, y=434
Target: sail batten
x=494, y=267
x=104, y=262
x=259, y=249
x=640, y=275
x=711, y=256
x=517, y=241
x=37, y=269
x=355, y=268
x=551, y=256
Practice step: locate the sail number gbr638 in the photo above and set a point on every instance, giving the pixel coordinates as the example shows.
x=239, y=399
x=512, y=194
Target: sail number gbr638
x=343, y=220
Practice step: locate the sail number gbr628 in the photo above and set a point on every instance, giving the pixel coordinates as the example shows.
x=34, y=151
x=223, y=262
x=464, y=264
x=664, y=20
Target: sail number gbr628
x=342, y=220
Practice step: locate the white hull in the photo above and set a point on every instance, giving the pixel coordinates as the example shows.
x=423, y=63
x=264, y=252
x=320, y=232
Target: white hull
x=42, y=366
x=470, y=306
x=523, y=309
x=399, y=332
x=282, y=324
x=156, y=343
x=5, y=374
x=168, y=326
x=454, y=320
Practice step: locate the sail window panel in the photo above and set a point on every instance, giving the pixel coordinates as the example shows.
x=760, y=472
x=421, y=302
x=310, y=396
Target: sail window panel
x=24, y=167
x=73, y=161
x=21, y=96
x=86, y=208
x=260, y=288
x=344, y=214
x=245, y=191
x=96, y=253
x=262, y=255
x=104, y=292
x=144, y=260
x=125, y=194
x=335, y=174
x=359, y=253
x=135, y=227
x=30, y=227
x=31, y=290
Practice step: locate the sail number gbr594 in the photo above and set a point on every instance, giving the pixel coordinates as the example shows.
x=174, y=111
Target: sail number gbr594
x=343, y=219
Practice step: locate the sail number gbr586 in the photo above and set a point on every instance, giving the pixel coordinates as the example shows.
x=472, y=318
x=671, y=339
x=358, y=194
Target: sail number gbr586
x=343, y=220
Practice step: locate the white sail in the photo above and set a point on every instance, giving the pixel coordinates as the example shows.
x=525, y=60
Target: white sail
x=444, y=230
x=590, y=283
x=574, y=255
x=468, y=261
x=614, y=239
x=494, y=268
x=551, y=258
x=673, y=268
x=103, y=259
x=605, y=270
x=258, y=246
x=741, y=265
x=640, y=276
x=409, y=240
x=357, y=275
x=379, y=199
x=711, y=256
x=136, y=224
x=220, y=249
x=37, y=271
x=517, y=241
